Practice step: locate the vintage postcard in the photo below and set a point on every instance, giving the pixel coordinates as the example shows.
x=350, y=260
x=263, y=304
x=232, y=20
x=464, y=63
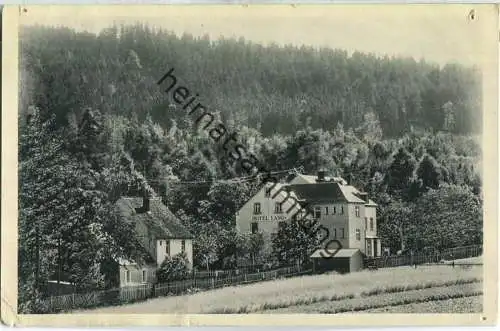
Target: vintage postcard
x=249, y=165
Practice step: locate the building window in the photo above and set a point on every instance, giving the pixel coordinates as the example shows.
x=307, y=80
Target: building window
x=277, y=208
x=128, y=276
x=317, y=212
x=334, y=210
x=356, y=211
x=161, y=242
x=256, y=208
x=255, y=227
x=358, y=234
x=143, y=276
x=167, y=247
x=326, y=210
x=341, y=209
x=334, y=233
x=267, y=192
x=371, y=223
x=342, y=233
x=183, y=246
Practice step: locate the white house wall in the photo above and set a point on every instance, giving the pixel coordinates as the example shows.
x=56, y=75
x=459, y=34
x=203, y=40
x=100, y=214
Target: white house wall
x=175, y=248
x=357, y=223
x=334, y=222
x=267, y=220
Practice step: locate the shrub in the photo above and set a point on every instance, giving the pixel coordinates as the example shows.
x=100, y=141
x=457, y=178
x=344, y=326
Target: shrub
x=176, y=267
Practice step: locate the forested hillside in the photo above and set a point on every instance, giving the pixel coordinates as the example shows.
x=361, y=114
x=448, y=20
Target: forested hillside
x=274, y=89
x=94, y=125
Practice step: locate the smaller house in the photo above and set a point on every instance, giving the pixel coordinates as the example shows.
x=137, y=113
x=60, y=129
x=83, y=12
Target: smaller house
x=344, y=261
x=158, y=232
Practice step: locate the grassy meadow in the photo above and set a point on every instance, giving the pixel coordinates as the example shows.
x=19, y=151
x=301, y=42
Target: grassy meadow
x=402, y=289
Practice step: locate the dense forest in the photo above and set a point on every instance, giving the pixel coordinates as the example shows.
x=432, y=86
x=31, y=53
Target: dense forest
x=94, y=126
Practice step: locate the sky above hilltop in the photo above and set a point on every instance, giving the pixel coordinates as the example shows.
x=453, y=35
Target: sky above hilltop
x=437, y=33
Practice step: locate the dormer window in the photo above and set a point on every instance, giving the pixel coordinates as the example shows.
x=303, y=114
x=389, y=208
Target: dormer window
x=277, y=208
x=256, y=208
x=267, y=192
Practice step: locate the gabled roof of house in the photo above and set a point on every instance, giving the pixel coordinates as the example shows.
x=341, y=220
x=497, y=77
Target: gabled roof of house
x=319, y=192
x=327, y=192
x=333, y=189
x=351, y=194
x=160, y=222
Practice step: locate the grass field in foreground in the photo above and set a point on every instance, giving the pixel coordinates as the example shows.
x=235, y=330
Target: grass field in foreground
x=468, y=305
x=387, y=300
x=305, y=290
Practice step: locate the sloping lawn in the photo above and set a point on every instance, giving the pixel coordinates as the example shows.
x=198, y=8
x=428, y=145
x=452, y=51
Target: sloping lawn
x=305, y=290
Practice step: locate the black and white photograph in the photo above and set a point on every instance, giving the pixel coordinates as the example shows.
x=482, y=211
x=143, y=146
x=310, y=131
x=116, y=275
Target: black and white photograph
x=246, y=160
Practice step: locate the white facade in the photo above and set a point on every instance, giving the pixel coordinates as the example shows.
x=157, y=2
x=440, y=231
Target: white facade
x=262, y=212
x=171, y=247
x=352, y=223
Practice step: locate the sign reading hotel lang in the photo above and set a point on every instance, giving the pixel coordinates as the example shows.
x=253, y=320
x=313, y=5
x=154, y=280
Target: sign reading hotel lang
x=269, y=218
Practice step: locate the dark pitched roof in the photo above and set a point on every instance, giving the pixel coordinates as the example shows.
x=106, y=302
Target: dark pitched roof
x=160, y=222
x=319, y=192
x=328, y=192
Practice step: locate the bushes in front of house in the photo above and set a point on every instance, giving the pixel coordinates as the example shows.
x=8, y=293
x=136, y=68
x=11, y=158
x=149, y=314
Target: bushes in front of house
x=175, y=267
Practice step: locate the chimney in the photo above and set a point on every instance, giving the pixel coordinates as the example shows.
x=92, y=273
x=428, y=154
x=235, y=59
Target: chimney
x=290, y=176
x=364, y=196
x=145, y=205
x=321, y=176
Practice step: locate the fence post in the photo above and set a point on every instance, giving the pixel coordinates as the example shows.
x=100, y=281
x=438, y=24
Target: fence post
x=213, y=284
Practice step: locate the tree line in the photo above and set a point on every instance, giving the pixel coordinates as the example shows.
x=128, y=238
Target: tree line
x=94, y=126
x=272, y=89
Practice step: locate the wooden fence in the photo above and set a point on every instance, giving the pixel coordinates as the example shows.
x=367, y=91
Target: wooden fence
x=447, y=254
x=217, y=280
x=232, y=272
x=145, y=291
